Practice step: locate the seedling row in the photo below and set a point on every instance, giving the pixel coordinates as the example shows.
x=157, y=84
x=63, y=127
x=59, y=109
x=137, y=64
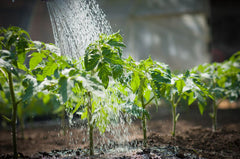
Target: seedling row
x=103, y=84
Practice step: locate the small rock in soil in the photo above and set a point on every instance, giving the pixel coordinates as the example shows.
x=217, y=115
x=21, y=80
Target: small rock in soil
x=20, y=155
x=139, y=153
x=180, y=155
x=146, y=151
x=78, y=153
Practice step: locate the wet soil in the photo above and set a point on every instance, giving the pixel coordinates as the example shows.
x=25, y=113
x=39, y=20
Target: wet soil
x=194, y=139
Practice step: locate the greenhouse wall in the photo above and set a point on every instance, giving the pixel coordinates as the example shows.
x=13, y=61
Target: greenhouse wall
x=171, y=31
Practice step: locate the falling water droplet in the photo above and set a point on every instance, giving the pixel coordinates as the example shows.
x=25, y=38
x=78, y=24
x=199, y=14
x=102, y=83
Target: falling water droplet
x=76, y=23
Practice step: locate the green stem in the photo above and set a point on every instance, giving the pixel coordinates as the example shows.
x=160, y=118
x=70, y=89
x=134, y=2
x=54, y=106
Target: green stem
x=174, y=113
x=149, y=101
x=174, y=119
x=14, y=116
x=173, y=116
x=214, y=116
x=90, y=125
x=144, y=123
x=179, y=99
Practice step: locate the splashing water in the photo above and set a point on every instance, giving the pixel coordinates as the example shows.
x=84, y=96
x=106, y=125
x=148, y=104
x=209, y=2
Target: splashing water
x=76, y=23
x=117, y=137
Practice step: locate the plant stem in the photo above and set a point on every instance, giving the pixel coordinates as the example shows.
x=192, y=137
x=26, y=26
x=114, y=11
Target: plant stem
x=90, y=125
x=14, y=115
x=149, y=101
x=174, y=115
x=174, y=119
x=214, y=116
x=144, y=123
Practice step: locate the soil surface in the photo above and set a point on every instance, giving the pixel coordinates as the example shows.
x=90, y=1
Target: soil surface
x=194, y=138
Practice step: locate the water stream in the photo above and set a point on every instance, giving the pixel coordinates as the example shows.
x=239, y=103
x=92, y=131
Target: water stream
x=76, y=23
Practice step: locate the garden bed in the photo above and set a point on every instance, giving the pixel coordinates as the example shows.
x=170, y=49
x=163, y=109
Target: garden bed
x=194, y=139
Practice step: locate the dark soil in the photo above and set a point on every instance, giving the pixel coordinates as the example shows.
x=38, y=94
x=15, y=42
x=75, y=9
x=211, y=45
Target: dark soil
x=194, y=139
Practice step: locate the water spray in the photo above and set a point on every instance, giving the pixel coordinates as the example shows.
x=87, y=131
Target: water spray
x=76, y=24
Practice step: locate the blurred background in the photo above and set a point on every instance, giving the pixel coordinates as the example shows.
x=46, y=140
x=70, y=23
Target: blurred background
x=181, y=33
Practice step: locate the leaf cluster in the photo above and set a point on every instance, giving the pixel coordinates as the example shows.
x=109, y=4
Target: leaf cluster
x=104, y=79
x=104, y=57
x=221, y=79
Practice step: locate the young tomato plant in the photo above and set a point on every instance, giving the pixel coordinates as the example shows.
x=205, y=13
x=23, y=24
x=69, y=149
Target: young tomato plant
x=68, y=80
x=102, y=60
x=222, y=81
x=182, y=87
x=142, y=86
x=14, y=43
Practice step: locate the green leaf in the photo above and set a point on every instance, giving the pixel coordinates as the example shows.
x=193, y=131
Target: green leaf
x=22, y=44
x=111, y=57
x=28, y=93
x=116, y=43
x=56, y=73
x=191, y=98
x=147, y=94
x=159, y=78
x=80, y=102
x=49, y=69
x=142, y=88
x=201, y=108
x=187, y=74
x=135, y=82
x=21, y=58
x=8, y=67
x=39, y=77
x=29, y=82
x=179, y=85
x=3, y=73
x=11, y=38
x=91, y=60
x=201, y=102
x=46, y=98
x=63, y=88
x=117, y=71
x=146, y=64
x=22, y=67
x=103, y=74
x=5, y=53
x=84, y=115
x=35, y=60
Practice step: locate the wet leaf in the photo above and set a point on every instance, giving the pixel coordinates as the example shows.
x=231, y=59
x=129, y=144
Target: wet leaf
x=63, y=88
x=135, y=82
